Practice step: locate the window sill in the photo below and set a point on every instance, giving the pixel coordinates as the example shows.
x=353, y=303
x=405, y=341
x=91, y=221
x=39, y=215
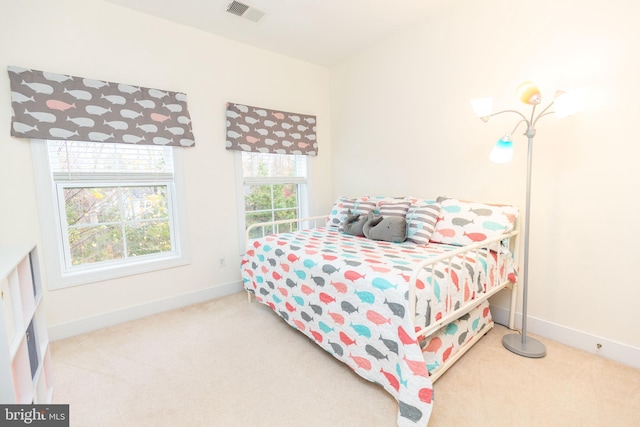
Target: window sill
x=99, y=274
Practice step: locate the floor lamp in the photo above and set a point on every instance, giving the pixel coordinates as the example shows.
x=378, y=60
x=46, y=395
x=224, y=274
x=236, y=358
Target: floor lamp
x=565, y=104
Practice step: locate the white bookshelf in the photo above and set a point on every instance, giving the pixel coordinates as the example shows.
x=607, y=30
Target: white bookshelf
x=25, y=358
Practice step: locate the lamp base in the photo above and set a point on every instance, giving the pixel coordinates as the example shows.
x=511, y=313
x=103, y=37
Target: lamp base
x=524, y=346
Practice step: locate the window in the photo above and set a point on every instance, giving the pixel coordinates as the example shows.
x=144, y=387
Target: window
x=274, y=187
x=115, y=209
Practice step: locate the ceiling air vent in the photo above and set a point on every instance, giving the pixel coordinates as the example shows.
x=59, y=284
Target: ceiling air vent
x=246, y=11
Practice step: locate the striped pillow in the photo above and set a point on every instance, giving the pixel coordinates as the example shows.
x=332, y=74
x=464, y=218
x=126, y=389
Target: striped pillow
x=396, y=208
x=421, y=221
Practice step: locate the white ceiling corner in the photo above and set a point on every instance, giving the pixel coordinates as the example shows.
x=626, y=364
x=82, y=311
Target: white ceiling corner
x=323, y=32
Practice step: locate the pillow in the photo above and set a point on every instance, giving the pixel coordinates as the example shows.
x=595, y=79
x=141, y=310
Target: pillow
x=421, y=221
x=353, y=224
x=462, y=223
x=393, y=208
x=388, y=229
x=361, y=205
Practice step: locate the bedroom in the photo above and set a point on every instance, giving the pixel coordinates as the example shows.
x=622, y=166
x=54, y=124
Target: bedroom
x=414, y=87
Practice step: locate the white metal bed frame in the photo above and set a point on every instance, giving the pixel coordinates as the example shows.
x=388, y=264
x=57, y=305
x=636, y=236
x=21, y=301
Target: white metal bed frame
x=451, y=314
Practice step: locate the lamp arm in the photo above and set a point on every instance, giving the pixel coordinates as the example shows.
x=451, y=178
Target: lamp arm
x=485, y=118
x=542, y=114
x=518, y=124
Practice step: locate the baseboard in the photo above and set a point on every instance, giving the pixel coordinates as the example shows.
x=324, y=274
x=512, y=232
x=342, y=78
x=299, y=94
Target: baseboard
x=77, y=327
x=581, y=340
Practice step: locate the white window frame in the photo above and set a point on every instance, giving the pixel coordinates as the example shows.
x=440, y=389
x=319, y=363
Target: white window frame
x=303, y=194
x=53, y=229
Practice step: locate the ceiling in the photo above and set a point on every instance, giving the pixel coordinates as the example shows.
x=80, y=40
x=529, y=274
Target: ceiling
x=323, y=32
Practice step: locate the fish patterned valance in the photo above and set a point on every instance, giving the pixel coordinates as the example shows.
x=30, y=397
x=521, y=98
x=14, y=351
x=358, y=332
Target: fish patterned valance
x=57, y=106
x=270, y=131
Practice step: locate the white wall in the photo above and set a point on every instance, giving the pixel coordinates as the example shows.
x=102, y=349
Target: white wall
x=414, y=90
x=92, y=38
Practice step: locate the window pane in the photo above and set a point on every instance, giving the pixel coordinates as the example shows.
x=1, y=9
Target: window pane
x=91, y=205
x=145, y=202
x=273, y=165
x=91, y=157
x=285, y=196
x=286, y=214
x=148, y=238
x=100, y=219
x=257, y=197
x=95, y=244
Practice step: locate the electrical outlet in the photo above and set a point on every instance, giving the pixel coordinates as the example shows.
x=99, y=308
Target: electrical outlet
x=221, y=262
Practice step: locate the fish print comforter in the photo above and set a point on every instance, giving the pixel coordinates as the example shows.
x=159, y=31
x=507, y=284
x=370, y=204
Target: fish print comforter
x=349, y=294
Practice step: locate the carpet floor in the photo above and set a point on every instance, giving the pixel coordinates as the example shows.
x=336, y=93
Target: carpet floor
x=229, y=363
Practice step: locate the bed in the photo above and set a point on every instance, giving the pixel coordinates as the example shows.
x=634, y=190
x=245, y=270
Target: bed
x=398, y=313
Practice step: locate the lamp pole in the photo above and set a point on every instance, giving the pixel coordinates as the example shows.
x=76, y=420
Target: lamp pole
x=566, y=105
x=520, y=343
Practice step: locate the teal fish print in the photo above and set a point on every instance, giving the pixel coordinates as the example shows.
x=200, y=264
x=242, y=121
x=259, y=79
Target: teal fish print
x=309, y=263
x=452, y=328
x=325, y=328
x=382, y=284
x=361, y=330
x=365, y=296
x=493, y=226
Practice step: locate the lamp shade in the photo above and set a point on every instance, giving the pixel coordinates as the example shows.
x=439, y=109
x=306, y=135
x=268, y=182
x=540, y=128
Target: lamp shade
x=482, y=106
x=569, y=102
x=529, y=93
x=503, y=150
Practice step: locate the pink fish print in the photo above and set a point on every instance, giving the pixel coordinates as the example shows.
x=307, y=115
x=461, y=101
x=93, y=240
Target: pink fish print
x=292, y=258
x=306, y=289
x=404, y=336
x=316, y=335
x=426, y=395
x=299, y=325
x=337, y=317
x=340, y=287
x=278, y=116
x=326, y=298
x=377, y=318
x=418, y=367
x=392, y=379
x=290, y=308
x=353, y=275
x=54, y=104
x=447, y=353
x=380, y=269
x=346, y=339
x=251, y=139
x=276, y=275
x=476, y=237
x=434, y=345
x=157, y=117
x=283, y=291
x=447, y=232
x=361, y=362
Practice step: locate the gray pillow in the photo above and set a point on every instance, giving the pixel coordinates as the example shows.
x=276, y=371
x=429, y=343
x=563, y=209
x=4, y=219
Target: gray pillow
x=353, y=224
x=388, y=229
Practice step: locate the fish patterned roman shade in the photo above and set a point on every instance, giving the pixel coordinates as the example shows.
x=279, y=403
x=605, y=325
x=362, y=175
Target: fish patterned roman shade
x=270, y=131
x=57, y=106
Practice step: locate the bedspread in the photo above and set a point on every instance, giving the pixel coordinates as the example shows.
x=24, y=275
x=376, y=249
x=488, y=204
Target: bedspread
x=349, y=294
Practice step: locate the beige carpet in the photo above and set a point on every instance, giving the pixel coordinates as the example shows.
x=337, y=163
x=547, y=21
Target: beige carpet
x=231, y=363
